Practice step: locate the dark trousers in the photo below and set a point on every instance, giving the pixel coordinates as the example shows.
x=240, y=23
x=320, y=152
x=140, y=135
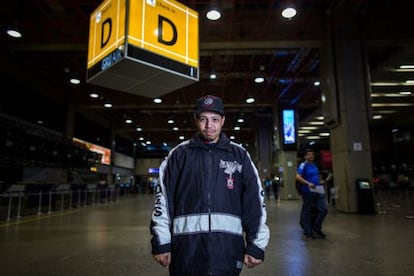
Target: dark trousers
x=319, y=202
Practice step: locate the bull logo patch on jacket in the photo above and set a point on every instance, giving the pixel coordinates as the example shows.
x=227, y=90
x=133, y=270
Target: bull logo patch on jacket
x=230, y=167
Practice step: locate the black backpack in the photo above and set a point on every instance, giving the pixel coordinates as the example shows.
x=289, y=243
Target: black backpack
x=298, y=184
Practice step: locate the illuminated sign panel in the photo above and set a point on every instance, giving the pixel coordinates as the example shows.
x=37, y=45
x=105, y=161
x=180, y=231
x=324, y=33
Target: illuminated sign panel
x=106, y=31
x=104, y=152
x=289, y=129
x=169, y=29
x=144, y=47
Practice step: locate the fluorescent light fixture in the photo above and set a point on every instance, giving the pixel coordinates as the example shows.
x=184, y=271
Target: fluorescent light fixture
x=391, y=104
x=407, y=67
x=309, y=127
x=313, y=137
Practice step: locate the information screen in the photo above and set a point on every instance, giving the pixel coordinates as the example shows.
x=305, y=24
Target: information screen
x=289, y=129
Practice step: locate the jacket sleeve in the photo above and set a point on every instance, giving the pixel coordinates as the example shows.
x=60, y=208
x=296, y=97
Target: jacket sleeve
x=254, y=212
x=160, y=221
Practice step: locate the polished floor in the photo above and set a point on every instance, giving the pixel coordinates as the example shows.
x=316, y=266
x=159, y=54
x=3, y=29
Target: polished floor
x=113, y=239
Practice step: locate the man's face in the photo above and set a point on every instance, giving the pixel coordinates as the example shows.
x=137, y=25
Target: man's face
x=209, y=125
x=309, y=156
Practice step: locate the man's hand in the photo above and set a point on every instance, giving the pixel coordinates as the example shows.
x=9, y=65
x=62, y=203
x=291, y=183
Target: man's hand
x=250, y=261
x=163, y=259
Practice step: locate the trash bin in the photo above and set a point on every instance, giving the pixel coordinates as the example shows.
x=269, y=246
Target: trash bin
x=365, y=196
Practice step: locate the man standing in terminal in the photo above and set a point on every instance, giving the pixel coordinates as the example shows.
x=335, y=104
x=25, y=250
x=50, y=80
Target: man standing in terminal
x=313, y=194
x=209, y=215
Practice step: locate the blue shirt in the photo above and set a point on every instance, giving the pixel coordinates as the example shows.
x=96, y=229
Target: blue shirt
x=311, y=174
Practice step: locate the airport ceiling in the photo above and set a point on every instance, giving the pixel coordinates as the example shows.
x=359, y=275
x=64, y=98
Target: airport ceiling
x=250, y=38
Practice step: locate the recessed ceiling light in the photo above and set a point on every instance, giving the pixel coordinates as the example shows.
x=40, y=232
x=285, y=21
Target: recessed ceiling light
x=289, y=13
x=250, y=100
x=259, y=80
x=157, y=100
x=14, y=33
x=213, y=14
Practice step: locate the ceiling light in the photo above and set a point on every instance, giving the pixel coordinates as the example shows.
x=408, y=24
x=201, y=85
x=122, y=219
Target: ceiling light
x=74, y=81
x=175, y=128
x=213, y=14
x=94, y=95
x=14, y=33
x=259, y=79
x=313, y=137
x=170, y=121
x=232, y=137
x=213, y=76
x=128, y=121
x=250, y=100
x=240, y=120
x=107, y=105
x=157, y=100
x=236, y=128
x=407, y=67
x=181, y=138
x=138, y=129
x=317, y=83
x=376, y=117
x=289, y=13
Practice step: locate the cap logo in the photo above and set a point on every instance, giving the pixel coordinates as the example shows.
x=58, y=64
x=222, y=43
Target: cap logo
x=208, y=101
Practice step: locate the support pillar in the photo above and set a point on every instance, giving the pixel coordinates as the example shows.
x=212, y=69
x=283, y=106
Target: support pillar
x=345, y=87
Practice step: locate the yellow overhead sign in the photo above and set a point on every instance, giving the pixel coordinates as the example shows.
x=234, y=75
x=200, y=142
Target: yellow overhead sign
x=133, y=40
x=106, y=30
x=165, y=27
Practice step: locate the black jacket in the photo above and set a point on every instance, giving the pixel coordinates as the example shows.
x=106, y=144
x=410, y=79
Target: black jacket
x=209, y=209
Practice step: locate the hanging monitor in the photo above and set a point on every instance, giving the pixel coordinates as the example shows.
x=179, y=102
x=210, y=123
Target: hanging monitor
x=288, y=129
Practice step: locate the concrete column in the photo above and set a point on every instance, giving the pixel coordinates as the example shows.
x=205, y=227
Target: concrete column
x=345, y=88
x=264, y=137
x=288, y=165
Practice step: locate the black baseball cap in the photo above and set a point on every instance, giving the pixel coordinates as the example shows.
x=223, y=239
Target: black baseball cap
x=209, y=103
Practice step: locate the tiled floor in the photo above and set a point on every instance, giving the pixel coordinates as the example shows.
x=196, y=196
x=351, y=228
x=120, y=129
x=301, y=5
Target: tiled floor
x=113, y=239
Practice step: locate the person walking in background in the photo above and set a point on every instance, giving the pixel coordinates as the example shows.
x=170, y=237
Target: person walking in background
x=209, y=214
x=275, y=185
x=267, y=183
x=313, y=194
